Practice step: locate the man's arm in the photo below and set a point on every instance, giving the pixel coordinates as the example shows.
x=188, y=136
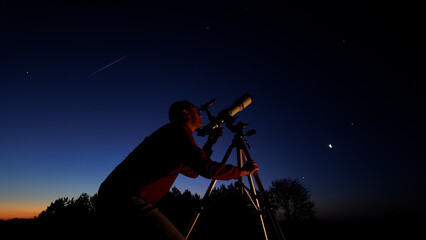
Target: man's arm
x=199, y=161
x=249, y=168
x=212, y=140
x=187, y=171
x=207, y=149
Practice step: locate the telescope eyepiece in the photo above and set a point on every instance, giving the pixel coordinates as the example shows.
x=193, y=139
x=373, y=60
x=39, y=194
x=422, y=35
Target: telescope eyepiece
x=210, y=103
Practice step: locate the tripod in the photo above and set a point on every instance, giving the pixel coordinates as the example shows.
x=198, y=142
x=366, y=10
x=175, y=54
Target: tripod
x=257, y=197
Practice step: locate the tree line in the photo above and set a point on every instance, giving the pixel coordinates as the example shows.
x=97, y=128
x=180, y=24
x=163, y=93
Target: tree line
x=226, y=215
x=225, y=209
x=289, y=199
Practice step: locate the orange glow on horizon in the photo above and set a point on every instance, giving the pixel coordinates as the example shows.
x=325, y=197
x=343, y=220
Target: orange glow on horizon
x=9, y=212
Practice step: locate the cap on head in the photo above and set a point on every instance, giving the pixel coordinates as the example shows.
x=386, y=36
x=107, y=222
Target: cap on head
x=176, y=111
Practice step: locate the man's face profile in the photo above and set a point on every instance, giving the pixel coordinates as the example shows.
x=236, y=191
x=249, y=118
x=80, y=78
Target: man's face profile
x=194, y=118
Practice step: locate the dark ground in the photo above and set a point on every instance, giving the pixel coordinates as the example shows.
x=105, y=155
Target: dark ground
x=209, y=226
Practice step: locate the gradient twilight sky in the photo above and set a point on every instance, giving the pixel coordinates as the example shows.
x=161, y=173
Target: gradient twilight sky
x=345, y=74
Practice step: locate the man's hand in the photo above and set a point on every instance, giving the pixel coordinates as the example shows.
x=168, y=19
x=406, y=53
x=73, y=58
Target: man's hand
x=249, y=168
x=215, y=135
x=211, y=140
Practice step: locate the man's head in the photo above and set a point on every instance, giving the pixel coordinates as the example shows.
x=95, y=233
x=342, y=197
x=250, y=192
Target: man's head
x=184, y=112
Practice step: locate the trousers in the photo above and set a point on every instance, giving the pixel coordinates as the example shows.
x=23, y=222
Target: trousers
x=133, y=217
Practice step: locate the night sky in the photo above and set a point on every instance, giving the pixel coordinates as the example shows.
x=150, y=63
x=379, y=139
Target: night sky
x=81, y=85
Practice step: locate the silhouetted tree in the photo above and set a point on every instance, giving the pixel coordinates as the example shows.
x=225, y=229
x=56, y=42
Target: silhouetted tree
x=56, y=209
x=82, y=208
x=179, y=207
x=292, y=199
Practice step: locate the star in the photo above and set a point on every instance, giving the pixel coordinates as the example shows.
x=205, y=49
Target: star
x=330, y=146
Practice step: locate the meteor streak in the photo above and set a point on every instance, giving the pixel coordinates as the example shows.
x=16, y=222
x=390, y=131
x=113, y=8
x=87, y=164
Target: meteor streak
x=101, y=69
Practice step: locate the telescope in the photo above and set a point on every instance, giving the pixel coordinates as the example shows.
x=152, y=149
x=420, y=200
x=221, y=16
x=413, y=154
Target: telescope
x=226, y=115
x=258, y=197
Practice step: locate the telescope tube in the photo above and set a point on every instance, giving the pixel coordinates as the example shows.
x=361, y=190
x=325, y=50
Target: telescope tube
x=240, y=104
x=226, y=114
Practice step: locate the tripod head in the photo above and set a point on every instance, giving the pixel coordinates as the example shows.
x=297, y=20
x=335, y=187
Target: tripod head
x=238, y=129
x=224, y=116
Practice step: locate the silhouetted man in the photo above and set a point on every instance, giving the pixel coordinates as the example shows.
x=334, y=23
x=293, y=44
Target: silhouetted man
x=148, y=172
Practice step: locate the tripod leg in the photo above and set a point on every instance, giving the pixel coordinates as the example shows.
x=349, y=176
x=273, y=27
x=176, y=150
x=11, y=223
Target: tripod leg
x=240, y=164
x=191, y=226
x=256, y=200
x=265, y=200
x=206, y=196
x=268, y=208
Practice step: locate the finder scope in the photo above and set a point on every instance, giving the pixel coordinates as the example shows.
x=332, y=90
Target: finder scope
x=225, y=115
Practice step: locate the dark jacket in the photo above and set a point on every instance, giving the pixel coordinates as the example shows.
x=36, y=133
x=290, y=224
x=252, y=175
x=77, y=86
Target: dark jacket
x=150, y=170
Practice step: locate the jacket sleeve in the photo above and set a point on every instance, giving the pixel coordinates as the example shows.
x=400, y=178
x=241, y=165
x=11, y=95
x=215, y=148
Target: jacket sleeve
x=208, y=151
x=187, y=171
x=199, y=162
